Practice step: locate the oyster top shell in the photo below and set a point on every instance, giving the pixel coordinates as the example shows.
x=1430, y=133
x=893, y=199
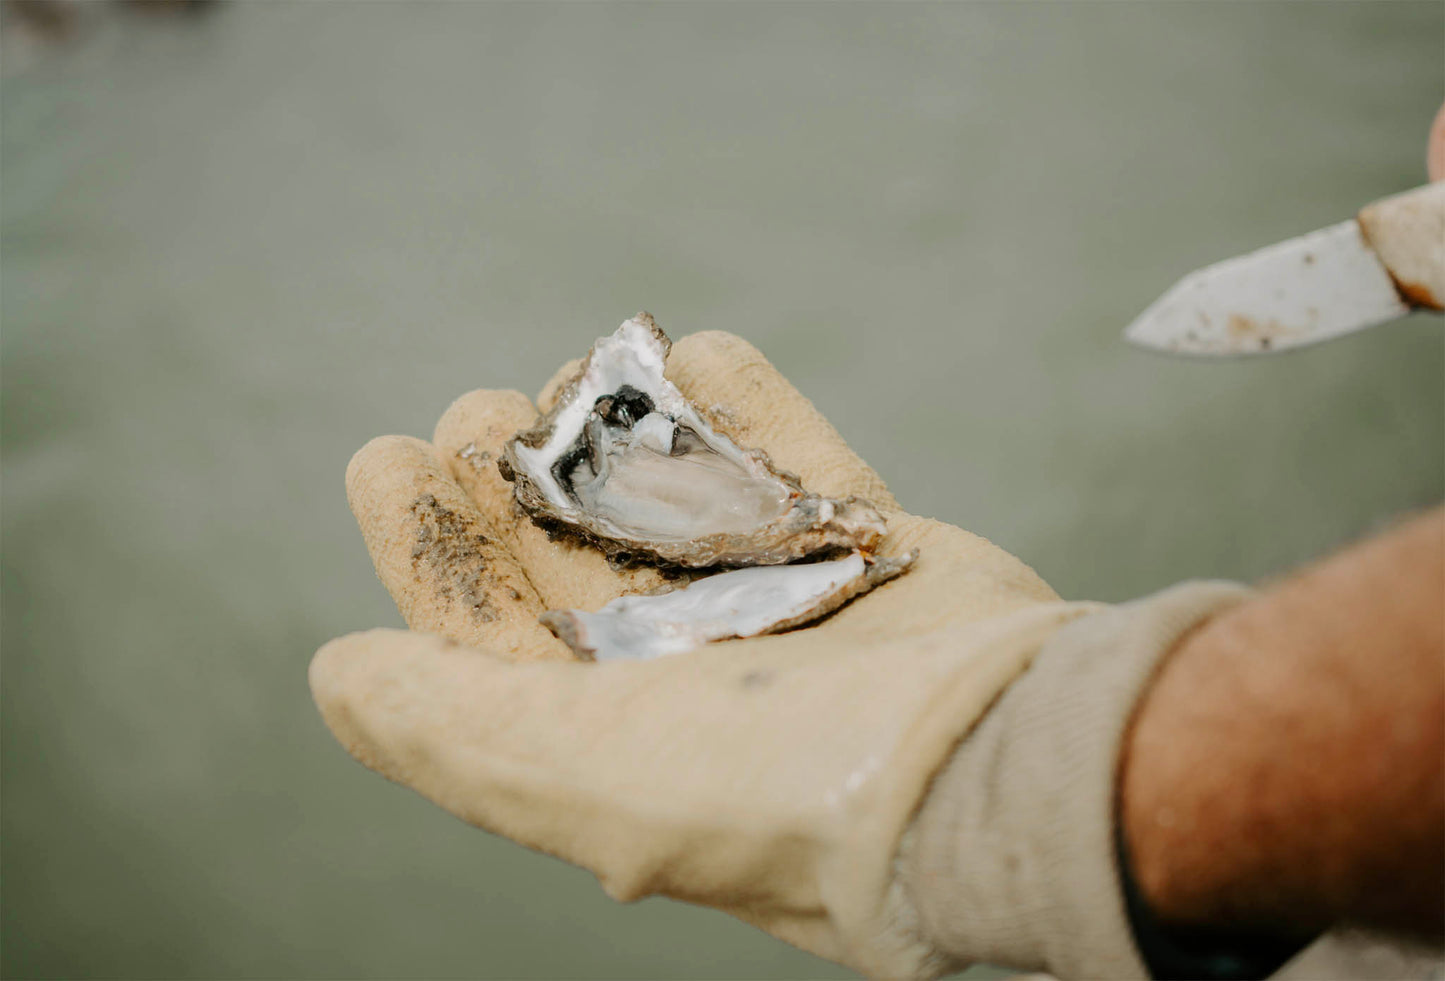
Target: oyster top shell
x=624, y=460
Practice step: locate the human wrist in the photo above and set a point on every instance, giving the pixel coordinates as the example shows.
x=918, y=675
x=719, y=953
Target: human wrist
x=1011, y=859
x=1283, y=772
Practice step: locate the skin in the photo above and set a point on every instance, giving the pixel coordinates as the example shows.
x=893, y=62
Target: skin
x=1435, y=151
x=1286, y=769
x=1274, y=778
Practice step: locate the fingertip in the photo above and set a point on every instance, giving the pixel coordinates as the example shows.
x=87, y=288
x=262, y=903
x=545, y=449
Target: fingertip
x=323, y=672
x=723, y=342
x=380, y=447
x=333, y=678
x=485, y=417
x=424, y=710
x=380, y=459
x=552, y=391
x=336, y=662
x=437, y=555
x=732, y=383
x=709, y=353
x=371, y=688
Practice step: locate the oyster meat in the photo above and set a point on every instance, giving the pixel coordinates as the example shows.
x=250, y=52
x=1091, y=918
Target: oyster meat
x=624, y=460
x=739, y=603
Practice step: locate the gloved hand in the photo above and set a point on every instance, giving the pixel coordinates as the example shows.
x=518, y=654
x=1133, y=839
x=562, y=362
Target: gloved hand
x=772, y=778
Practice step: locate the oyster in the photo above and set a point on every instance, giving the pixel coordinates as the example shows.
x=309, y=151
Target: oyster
x=739, y=603
x=624, y=460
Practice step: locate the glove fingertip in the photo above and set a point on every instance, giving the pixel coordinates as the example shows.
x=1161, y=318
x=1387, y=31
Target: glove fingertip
x=438, y=556
x=552, y=391
x=329, y=672
x=741, y=392
x=376, y=462
x=490, y=416
x=337, y=684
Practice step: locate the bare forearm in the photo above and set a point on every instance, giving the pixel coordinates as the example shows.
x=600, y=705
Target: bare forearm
x=1286, y=769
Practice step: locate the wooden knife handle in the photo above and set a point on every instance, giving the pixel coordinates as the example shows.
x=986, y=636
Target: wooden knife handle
x=1407, y=232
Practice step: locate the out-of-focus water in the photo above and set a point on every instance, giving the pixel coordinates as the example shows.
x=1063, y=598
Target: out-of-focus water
x=236, y=247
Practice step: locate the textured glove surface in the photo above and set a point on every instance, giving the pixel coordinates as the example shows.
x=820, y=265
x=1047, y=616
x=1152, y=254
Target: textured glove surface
x=772, y=778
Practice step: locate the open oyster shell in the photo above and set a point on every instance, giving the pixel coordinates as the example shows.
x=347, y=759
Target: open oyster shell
x=624, y=460
x=739, y=603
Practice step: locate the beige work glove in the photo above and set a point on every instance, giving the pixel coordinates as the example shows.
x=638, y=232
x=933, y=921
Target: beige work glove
x=773, y=778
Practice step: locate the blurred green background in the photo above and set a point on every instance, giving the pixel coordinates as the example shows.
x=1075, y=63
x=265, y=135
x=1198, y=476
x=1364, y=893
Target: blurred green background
x=237, y=245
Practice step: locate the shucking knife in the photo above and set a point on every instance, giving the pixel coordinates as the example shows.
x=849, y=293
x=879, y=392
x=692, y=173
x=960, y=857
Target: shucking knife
x=1370, y=270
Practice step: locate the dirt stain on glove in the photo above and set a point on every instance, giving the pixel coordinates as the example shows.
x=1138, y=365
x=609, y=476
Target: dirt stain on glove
x=451, y=549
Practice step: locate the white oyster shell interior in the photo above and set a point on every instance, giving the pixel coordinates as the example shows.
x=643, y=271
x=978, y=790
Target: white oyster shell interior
x=740, y=603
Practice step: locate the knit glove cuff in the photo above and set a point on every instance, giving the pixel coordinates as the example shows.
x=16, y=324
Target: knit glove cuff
x=1012, y=857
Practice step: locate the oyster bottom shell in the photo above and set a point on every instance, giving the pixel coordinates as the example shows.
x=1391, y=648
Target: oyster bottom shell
x=740, y=603
x=625, y=461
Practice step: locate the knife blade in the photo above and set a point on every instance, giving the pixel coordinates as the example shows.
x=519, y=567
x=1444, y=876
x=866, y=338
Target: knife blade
x=1361, y=273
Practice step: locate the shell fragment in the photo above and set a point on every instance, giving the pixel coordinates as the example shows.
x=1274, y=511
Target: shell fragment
x=740, y=603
